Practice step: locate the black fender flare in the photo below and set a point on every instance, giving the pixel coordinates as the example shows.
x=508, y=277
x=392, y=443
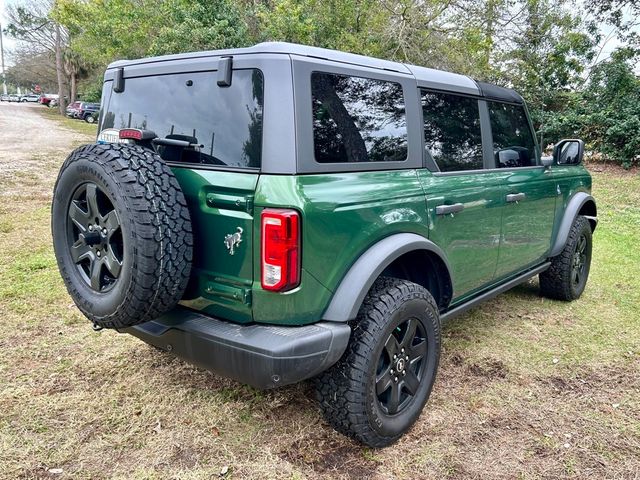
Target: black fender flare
x=574, y=206
x=350, y=294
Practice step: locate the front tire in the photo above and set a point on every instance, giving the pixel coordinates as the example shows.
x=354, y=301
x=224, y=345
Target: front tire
x=378, y=389
x=567, y=276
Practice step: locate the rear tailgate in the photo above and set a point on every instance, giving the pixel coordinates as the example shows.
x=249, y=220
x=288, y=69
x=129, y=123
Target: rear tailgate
x=221, y=207
x=216, y=160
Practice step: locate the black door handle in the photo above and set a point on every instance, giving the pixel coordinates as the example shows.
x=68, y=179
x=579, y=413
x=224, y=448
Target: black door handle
x=515, y=197
x=449, y=209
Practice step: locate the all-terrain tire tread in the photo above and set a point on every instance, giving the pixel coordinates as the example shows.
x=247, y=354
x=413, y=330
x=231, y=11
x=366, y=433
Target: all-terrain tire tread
x=157, y=211
x=555, y=282
x=341, y=390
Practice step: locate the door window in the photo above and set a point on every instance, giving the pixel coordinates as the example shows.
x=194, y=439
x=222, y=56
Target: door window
x=452, y=131
x=357, y=119
x=513, y=144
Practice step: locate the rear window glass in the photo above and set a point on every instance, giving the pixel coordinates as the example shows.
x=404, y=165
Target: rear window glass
x=226, y=122
x=513, y=144
x=452, y=131
x=357, y=119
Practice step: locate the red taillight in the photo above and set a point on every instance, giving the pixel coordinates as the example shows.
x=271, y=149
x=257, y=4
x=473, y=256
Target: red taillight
x=131, y=133
x=280, y=256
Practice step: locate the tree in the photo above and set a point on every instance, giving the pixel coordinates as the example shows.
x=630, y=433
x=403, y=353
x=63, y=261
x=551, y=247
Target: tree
x=30, y=69
x=198, y=25
x=32, y=25
x=610, y=110
x=547, y=58
x=105, y=30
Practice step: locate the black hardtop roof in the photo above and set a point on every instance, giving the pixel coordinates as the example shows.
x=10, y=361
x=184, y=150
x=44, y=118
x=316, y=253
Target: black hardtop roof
x=422, y=74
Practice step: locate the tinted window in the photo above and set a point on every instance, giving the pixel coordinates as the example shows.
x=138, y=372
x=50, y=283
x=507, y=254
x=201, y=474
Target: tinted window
x=452, y=131
x=357, y=119
x=513, y=143
x=226, y=122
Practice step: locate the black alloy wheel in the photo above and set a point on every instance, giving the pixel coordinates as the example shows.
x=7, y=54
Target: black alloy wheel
x=95, y=237
x=401, y=366
x=579, y=262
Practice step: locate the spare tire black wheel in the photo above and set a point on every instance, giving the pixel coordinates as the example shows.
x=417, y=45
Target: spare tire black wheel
x=121, y=234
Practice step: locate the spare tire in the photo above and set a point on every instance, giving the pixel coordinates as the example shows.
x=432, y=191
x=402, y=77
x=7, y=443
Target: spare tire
x=121, y=234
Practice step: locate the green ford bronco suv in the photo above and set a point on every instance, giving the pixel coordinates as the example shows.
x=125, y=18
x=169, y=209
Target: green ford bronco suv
x=281, y=212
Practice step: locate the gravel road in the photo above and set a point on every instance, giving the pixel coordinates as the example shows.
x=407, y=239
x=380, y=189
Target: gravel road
x=32, y=148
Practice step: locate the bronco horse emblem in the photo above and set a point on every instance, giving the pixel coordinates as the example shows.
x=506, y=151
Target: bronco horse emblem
x=233, y=240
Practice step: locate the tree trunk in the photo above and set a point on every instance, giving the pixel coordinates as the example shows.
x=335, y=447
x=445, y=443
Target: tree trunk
x=353, y=142
x=74, y=87
x=489, y=32
x=62, y=104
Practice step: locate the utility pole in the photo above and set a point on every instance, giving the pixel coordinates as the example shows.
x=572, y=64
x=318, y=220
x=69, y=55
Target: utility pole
x=4, y=83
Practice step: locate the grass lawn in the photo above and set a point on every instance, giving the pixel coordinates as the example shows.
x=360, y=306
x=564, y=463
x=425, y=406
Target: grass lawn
x=72, y=123
x=528, y=387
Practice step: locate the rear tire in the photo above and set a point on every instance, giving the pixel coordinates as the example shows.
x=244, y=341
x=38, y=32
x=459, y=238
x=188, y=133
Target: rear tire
x=121, y=234
x=378, y=389
x=567, y=276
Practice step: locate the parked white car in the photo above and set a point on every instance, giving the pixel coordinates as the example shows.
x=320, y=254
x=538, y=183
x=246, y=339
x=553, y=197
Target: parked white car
x=30, y=97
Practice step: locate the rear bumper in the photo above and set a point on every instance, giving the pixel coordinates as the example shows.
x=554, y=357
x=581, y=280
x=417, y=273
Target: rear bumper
x=263, y=356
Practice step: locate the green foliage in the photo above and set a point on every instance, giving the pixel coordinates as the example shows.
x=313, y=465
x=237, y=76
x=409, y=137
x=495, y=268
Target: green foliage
x=612, y=108
x=105, y=30
x=548, y=58
x=542, y=48
x=197, y=25
x=606, y=113
x=350, y=25
x=92, y=89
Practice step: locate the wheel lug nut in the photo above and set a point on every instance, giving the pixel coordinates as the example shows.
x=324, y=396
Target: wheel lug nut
x=395, y=379
x=98, y=253
x=407, y=357
x=402, y=350
x=404, y=372
x=90, y=228
x=104, y=231
x=395, y=356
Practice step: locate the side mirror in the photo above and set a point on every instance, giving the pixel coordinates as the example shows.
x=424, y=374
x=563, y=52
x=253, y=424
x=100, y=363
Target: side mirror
x=568, y=152
x=546, y=161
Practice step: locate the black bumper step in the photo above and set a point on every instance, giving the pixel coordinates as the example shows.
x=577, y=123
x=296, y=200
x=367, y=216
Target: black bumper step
x=264, y=356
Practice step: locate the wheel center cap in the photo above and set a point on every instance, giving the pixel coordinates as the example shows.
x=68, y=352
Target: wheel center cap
x=92, y=238
x=400, y=364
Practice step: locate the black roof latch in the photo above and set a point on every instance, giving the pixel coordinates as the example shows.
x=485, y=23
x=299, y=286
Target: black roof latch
x=118, y=81
x=225, y=66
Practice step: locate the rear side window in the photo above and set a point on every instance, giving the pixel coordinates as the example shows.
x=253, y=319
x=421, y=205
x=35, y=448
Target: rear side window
x=513, y=144
x=452, y=131
x=225, y=123
x=357, y=119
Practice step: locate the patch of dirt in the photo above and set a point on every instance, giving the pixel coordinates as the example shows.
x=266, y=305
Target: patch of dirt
x=593, y=383
x=342, y=459
x=490, y=369
x=612, y=169
x=486, y=368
